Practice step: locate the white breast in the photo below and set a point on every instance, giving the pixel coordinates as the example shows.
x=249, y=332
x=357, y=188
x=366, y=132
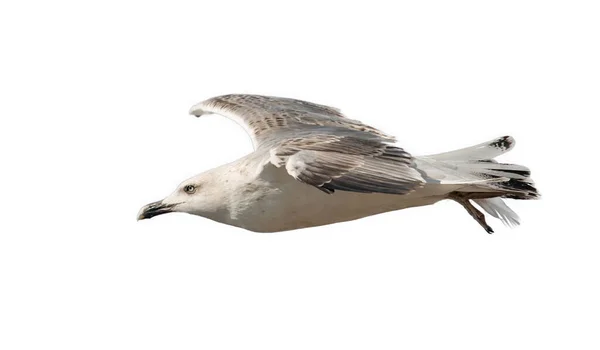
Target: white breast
x=279, y=202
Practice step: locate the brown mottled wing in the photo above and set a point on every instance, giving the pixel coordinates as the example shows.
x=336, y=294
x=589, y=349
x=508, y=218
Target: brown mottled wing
x=331, y=162
x=269, y=119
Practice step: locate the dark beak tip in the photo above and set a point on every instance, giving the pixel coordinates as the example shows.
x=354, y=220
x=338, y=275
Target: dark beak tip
x=140, y=215
x=153, y=209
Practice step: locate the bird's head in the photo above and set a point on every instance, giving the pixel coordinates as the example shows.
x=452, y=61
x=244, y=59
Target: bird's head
x=197, y=195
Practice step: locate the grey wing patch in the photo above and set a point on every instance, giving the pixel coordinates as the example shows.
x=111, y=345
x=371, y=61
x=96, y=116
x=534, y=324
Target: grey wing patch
x=266, y=118
x=282, y=104
x=349, y=164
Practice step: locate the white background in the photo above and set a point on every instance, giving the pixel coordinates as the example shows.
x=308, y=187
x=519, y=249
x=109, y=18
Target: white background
x=94, y=124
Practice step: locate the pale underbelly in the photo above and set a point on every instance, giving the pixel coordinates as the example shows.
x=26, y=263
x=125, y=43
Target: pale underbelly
x=296, y=205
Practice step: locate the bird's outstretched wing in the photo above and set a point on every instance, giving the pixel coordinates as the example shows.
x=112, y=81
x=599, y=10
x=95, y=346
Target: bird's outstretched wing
x=267, y=118
x=318, y=145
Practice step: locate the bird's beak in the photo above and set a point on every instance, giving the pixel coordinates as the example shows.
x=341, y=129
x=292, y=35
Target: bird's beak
x=154, y=209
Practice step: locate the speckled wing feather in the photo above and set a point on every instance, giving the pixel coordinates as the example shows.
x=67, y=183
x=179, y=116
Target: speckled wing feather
x=318, y=145
x=347, y=163
x=267, y=119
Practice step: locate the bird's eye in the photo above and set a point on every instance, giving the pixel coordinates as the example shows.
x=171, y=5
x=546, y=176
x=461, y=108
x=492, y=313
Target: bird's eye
x=189, y=189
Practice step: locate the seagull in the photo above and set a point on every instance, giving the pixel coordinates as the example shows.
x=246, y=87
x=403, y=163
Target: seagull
x=314, y=166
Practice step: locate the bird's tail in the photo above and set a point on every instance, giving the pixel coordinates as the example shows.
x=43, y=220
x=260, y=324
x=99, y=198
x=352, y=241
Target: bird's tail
x=485, y=180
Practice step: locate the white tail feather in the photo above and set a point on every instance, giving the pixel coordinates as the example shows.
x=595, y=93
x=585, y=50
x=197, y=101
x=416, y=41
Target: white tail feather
x=498, y=209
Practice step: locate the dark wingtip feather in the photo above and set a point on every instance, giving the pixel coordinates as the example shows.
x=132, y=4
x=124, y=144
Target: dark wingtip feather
x=503, y=143
x=520, y=189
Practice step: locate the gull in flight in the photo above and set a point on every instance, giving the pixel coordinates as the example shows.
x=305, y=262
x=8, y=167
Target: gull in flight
x=313, y=166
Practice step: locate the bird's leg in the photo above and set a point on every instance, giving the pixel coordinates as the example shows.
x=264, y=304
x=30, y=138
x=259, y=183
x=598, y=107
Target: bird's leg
x=476, y=214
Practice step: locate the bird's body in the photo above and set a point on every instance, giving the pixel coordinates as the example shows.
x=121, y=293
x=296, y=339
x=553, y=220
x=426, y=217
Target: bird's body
x=269, y=200
x=312, y=166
